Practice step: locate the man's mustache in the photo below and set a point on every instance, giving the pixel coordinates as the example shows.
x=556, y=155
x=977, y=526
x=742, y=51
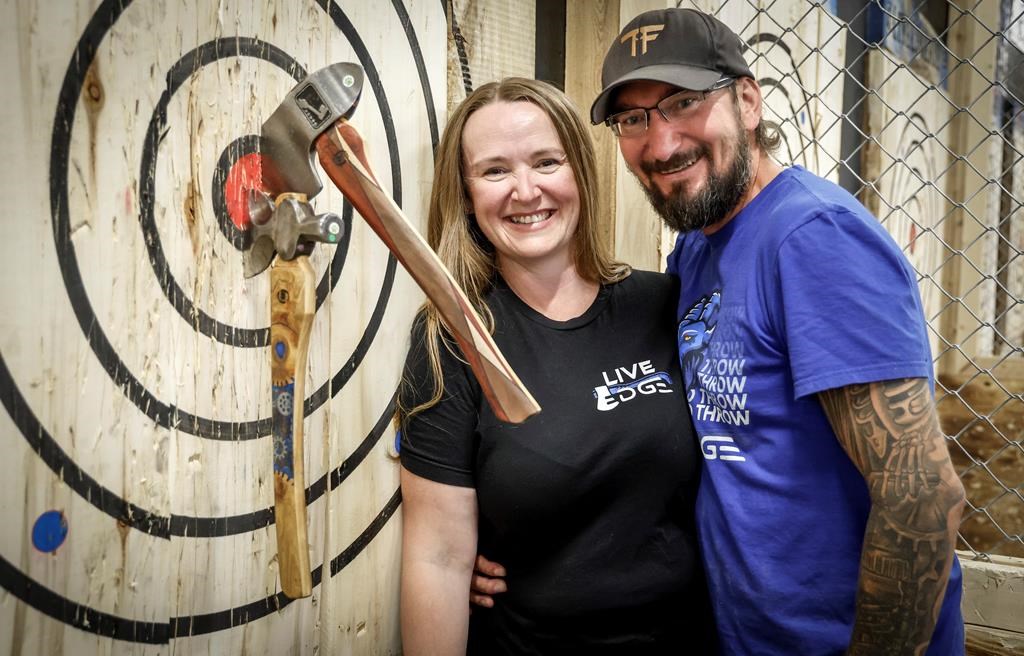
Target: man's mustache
x=672, y=163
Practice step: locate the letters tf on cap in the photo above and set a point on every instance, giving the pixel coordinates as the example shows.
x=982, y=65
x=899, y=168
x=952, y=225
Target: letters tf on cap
x=682, y=47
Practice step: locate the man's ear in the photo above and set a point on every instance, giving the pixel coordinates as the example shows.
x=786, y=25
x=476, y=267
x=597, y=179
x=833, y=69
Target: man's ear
x=748, y=95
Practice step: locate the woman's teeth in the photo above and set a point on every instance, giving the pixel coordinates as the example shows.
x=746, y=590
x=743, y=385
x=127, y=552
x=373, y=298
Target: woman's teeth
x=530, y=218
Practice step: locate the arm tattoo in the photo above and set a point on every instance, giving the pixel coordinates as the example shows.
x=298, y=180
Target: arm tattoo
x=891, y=432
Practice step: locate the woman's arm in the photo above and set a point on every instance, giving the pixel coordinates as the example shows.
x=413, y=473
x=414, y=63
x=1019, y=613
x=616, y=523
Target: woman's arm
x=438, y=548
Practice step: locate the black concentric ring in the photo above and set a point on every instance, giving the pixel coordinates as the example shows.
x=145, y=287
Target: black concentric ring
x=180, y=72
x=81, y=616
x=165, y=414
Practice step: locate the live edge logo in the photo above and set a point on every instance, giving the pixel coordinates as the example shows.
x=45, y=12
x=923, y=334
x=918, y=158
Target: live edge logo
x=644, y=34
x=626, y=383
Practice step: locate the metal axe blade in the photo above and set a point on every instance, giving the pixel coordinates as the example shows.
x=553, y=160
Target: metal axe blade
x=311, y=107
x=286, y=140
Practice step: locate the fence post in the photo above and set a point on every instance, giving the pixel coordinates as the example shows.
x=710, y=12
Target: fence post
x=974, y=186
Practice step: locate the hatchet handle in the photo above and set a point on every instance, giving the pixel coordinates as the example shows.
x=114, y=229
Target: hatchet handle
x=292, y=305
x=341, y=154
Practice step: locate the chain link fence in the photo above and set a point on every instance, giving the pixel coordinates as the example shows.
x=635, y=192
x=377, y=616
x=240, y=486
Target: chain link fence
x=917, y=107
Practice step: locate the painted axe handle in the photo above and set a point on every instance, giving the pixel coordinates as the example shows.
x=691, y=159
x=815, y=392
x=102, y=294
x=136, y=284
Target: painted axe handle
x=342, y=156
x=292, y=304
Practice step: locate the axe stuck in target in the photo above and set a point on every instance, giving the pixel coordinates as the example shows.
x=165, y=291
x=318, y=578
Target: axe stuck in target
x=283, y=229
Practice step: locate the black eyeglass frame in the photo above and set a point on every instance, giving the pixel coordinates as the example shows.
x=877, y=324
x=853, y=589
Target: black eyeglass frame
x=722, y=83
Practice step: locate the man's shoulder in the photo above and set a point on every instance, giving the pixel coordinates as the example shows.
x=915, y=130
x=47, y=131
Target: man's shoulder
x=806, y=195
x=802, y=196
x=812, y=207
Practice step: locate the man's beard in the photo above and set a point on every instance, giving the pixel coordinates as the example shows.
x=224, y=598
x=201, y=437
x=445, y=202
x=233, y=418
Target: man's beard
x=719, y=195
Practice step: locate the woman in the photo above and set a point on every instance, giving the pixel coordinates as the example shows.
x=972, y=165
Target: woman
x=588, y=504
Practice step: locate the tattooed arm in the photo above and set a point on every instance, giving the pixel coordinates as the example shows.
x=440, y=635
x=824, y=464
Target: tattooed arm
x=891, y=432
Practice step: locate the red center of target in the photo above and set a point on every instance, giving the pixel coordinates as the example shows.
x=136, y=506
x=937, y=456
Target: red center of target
x=245, y=174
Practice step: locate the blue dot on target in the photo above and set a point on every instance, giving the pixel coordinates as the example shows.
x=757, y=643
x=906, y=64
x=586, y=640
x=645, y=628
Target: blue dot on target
x=49, y=531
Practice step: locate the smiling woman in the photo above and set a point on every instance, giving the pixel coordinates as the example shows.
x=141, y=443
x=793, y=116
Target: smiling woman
x=589, y=504
x=523, y=193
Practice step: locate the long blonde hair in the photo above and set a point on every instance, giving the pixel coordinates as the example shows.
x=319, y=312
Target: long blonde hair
x=451, y=227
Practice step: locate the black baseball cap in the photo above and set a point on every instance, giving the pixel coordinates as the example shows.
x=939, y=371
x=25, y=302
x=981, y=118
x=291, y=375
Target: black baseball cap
x=682, y=47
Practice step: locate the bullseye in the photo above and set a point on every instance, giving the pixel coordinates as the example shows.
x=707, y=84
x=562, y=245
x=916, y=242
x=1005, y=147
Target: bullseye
x=245, y=175
x=239, y=169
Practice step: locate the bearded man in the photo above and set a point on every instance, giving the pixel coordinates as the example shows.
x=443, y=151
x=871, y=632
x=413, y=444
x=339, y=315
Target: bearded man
x=828, y=506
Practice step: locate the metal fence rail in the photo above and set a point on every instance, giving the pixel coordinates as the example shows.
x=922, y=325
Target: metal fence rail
x=917, y=107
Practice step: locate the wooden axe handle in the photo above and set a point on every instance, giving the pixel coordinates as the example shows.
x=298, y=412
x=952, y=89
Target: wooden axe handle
x=292, y=304
x=342, y=156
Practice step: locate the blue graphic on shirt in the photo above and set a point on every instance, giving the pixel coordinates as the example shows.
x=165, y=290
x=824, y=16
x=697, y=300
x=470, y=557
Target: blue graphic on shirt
x=694, y=335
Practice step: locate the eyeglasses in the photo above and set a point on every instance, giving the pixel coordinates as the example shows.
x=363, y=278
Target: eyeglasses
x=677, y=107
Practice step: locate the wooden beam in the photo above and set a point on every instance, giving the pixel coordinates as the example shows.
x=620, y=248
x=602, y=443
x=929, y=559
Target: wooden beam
x=993, y=604
x=1009, y=368
x=978, y=149
x=983, y=641
x=549, y=54
x=590, y=28
x=638, y=229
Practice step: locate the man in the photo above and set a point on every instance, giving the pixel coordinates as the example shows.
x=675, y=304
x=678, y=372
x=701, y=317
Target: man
x=828, y=506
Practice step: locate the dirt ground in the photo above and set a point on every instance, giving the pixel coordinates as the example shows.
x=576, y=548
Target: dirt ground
x=985, y=416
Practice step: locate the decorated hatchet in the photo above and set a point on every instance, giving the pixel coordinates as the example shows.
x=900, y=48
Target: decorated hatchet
x=313, y=117
x=286, y=225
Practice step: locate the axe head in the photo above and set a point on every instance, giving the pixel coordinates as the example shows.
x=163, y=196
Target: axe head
x=313, y=106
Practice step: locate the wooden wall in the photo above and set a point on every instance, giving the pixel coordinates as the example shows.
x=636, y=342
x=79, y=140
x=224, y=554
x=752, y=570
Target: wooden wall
x=490, y=39
x=134, y=372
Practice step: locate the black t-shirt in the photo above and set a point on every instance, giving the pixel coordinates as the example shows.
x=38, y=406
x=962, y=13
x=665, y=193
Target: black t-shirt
x=589, y=504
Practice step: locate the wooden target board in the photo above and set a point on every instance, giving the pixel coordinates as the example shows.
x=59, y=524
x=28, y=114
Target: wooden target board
x=909, y=119
x=134, y=365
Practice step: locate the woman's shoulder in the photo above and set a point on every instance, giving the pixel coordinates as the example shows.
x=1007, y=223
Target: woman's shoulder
x=419, y=337
x=651, y=283
x=646, y=295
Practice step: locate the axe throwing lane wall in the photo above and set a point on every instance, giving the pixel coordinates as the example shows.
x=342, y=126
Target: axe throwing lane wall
x=134, y=368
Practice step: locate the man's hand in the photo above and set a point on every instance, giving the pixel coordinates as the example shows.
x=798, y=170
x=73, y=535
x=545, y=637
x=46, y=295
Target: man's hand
x=891, y=433
x=486, y=581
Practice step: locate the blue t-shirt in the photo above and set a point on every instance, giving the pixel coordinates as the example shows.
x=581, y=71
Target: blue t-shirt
x=801, y=292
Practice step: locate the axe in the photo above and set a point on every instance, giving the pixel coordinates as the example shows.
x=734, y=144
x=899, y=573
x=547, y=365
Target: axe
x=313, y=117
x=286, y=225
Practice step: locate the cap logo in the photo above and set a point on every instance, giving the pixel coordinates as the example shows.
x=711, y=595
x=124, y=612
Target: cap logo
x=644, y=34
